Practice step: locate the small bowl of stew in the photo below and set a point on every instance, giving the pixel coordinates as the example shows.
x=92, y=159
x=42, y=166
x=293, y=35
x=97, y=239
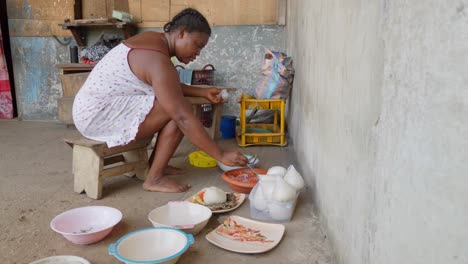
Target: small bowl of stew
x=242, y=180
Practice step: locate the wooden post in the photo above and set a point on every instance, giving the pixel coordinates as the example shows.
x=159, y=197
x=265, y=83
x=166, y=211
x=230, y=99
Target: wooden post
x=87, y=167
x=137, y=155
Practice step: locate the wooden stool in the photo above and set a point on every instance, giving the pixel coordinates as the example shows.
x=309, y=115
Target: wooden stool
x=93, y=161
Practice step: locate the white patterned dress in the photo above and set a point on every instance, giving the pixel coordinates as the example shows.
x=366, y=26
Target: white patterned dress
x=113, y=102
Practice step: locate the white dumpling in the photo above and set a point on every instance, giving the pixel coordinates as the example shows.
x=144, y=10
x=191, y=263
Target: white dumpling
x=294, y=178
x=267, y=184
x=277, y=170
x=283, y=192
x=214, y=195
x=259, y=201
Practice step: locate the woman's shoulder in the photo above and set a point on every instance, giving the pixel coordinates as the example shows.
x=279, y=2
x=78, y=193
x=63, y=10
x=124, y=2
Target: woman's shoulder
x=148, y=40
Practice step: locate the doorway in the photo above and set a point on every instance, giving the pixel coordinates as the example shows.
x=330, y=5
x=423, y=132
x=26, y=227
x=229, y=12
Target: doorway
x=8, y=108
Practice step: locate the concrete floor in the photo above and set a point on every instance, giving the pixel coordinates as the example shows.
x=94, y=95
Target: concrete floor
x=37, y=184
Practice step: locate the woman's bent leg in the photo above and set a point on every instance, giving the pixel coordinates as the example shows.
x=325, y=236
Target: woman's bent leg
x=169, y=139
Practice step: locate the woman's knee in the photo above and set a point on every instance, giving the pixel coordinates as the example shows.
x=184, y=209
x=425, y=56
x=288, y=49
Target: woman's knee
x=172, y=128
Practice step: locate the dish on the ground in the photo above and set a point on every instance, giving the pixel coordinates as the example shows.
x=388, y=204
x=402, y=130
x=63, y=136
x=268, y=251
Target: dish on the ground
x=243, y=235
x=61, y=260
x=233, y=201
x=253, y=160
x=86, y=225
x=188, y=217
x=242, y=180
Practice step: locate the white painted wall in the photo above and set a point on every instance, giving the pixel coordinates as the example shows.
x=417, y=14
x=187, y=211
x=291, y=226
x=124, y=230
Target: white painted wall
x=379, y=122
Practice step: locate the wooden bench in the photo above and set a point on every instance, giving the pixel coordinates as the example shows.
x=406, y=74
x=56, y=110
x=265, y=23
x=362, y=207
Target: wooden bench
x=93, y=161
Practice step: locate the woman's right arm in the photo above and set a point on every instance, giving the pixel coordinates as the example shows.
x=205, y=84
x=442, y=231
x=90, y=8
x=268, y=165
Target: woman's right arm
x=161, y=74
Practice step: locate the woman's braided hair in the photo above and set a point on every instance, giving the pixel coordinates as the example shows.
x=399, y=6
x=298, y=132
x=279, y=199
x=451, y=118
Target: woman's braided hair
x=190, y=20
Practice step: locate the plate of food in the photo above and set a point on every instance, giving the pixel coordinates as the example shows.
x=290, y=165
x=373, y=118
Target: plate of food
x=217, y=200
x=243, y=235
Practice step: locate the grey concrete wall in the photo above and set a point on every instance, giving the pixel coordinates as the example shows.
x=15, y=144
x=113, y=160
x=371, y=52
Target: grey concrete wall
x=421, y=209
x=378, y=120
x=236, y=52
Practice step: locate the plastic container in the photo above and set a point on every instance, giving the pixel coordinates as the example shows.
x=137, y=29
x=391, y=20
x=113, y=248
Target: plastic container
x=202, y=160
x=272, y=210
x=228, y=126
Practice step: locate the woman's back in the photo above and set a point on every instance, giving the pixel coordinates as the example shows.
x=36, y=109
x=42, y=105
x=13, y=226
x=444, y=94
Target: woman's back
x=114, y=94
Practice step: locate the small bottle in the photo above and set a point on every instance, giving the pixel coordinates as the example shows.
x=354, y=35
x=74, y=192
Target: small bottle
x=73, y=54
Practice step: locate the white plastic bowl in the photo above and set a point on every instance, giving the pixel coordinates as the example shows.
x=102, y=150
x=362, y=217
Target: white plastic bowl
x=183, y=215
x=228, y=168
x=152, y=245
x=61, y=260
x=86, y=225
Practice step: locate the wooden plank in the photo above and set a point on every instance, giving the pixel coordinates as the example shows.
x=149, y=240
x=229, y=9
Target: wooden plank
x=94, y=21
x=71, y=83
x=140, y=155
x=82, y=141
x=104, y=151
x=134, y=8
x=74, y=67
x=155, y=10
x=78, y=10
x=150, y=24
x=65, y=106
x=40, y=9
x=87, y=166
x=121, y=169
x=229, y=89
x=232, y=12
x=52, y=9
x=114, y=159
x=122, y=5
x=109, y=8
x=282, y=12
x=36, y=28
x=94, y=9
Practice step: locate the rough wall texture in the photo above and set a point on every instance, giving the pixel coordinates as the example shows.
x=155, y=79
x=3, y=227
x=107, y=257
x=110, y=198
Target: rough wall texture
x=37, y=81
x=235, y=51
x=378, y=122
x=421, y=206
x=237, y=54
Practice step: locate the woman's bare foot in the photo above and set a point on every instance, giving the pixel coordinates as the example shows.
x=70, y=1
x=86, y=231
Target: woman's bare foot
x=169, y=170
x=164, y=184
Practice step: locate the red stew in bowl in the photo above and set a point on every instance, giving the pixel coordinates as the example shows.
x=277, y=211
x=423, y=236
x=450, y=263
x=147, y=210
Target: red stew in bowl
x=242, y=180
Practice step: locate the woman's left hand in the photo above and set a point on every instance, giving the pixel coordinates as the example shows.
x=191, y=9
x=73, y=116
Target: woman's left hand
x=213, y=94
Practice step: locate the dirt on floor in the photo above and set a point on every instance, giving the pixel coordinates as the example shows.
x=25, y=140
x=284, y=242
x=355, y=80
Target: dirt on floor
x=37, y=184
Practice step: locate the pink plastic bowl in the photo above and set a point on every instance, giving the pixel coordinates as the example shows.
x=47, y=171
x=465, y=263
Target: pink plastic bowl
x=86, y=225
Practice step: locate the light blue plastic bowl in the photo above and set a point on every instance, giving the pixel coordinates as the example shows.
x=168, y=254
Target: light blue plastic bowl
x=152, y=245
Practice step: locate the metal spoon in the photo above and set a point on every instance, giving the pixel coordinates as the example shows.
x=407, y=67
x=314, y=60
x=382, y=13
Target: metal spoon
x=251, y=162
